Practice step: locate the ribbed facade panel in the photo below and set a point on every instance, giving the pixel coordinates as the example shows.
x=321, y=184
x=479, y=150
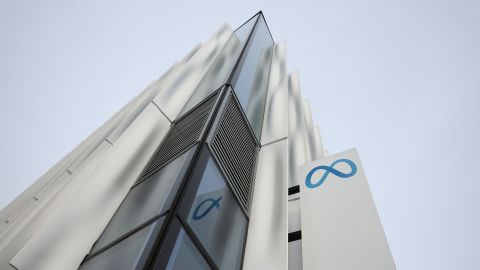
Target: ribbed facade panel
x=267, y=245
x=176, y=90
x=274, y=125
x=297, y=148
x=87, y=211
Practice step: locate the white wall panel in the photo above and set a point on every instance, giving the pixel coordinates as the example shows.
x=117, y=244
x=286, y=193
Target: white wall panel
x=177, y=87
x=311, y=141
x=297, y=147
x=266, y=246
x=294, y=222
x=73, y=228
x=318, y=138
x=274, y=125
x=218, y=72
x=137, y=106
x=48, y=201
x=70, y=162
x=295, y=256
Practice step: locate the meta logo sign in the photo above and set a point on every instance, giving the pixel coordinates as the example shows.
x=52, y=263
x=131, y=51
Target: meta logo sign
x=210, y=203
x=339, y=219
x=327, y=170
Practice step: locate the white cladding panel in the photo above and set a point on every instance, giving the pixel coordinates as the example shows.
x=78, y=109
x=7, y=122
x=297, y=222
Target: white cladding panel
x=294, y=221
x=177, y=87
x=297, y=145
x=275, y=126
x=16, y=211
x=310, y=132
x=295, y=255
x=47, y=204
x=73, y=228
x=320, y=148
x=217, y=73
x=132, y=111
x=341, y=229
x=266, y=246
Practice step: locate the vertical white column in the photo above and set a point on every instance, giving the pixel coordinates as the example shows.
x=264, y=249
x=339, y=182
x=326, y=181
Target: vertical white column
x=266, y=246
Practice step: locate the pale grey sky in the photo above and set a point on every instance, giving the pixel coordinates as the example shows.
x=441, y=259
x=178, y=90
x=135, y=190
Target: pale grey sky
x=399, y=80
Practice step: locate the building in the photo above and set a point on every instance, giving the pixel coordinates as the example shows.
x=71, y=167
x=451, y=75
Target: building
x=200, y=171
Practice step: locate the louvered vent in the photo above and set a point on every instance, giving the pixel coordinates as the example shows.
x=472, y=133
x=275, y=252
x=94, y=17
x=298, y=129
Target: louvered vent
x=236, y=150
x=182, y=135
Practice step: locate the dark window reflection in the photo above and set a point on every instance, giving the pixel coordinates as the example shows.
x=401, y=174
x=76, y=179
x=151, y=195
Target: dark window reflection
x=150, y=198
x=251, y=80
x=185, y=255
x=128, y=253
x=217, y=220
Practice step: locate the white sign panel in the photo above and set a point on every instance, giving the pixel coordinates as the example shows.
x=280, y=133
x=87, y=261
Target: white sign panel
x=341, y=229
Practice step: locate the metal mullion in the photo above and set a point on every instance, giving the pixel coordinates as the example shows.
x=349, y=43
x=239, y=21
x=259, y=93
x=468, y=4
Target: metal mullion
x=241, y=57
x=248, y=21
x=123, y=236
x=268, y=28
x=254, y=178
x=268, y=84
x=198, y=244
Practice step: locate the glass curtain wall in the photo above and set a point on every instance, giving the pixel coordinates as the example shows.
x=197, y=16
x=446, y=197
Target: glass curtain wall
x=139, y=218
x=185, y=215
x=210, y=222
x=221, y=69
x=250, y=80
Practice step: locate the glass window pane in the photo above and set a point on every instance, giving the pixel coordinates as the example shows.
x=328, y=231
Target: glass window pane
x=185, y=255
x=221, y=69
x=126, y=254
x=148, y=199
x=251, y=81
x=217, y=219
x=244, y=30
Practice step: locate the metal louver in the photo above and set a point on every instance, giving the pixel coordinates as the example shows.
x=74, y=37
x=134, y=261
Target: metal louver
x=184, y=133
x=236, y=150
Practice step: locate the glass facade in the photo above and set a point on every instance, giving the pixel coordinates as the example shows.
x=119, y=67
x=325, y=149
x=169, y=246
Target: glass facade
x=186, y=215
x=243, y=32
x=185, y=255
x=251, y=79
x=148, y=199
x=216, y=217
x=128, y=253
x=221, y=69
x=128, y=238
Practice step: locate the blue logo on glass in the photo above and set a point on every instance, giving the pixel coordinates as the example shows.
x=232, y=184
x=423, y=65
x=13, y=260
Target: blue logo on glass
x=328, y=170
x=213, y=203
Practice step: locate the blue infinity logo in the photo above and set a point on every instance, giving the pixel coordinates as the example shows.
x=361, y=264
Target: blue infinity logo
x=328, y=170
x=213, y=203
